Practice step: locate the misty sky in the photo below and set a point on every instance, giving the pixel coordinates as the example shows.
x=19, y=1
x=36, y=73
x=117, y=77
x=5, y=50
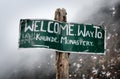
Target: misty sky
x=11, y=11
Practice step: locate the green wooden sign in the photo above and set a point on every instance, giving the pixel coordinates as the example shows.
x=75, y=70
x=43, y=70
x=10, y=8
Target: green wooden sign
x=61, y=36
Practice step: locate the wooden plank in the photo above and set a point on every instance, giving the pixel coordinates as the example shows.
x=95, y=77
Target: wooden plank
x=62, y=59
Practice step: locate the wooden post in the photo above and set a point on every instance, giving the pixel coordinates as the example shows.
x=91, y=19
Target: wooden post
x=62, y=65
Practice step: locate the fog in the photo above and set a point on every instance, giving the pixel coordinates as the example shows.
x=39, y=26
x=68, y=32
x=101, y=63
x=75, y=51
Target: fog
x=14, y=59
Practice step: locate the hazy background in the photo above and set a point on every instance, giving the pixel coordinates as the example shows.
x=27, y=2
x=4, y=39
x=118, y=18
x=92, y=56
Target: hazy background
x=13, y=59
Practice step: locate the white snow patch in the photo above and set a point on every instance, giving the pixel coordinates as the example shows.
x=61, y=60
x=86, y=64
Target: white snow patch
x=108, y=74
x=109, y=35
x=91, y=77
x=70, y=75
x=113, y=8
x=113, y=13
x=78, y=65
x=95, y=71
x=103, y=72
x=81, y=60
x=83, y=76
x=108, y=50
x=103, y=67
x=74, y=64
x=94, y=57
